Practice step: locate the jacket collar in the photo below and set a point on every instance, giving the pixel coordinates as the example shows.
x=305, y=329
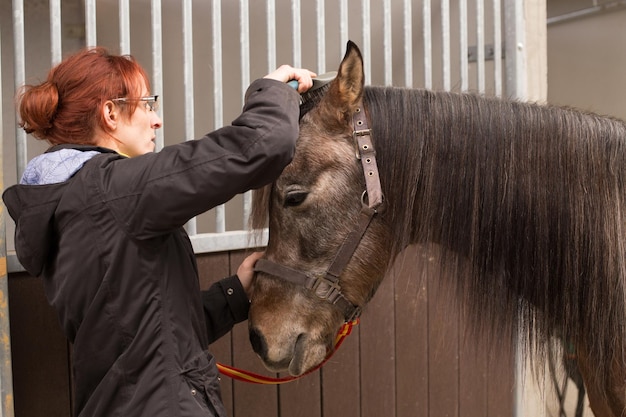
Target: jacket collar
x=82, y=148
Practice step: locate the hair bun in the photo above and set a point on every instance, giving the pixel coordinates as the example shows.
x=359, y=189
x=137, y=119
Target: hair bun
x=38, y=108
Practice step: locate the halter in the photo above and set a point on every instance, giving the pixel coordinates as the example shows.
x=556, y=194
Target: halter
x=326, y=286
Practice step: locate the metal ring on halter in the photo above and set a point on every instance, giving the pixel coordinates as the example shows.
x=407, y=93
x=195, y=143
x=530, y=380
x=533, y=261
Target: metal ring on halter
x=366, y=204
x=363, y=196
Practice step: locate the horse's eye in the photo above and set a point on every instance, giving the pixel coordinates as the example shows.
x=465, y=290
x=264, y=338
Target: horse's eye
x=295, y=198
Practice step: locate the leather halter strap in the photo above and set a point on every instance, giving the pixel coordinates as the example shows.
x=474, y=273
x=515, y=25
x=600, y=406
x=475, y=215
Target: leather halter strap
x=327, y=286
x=367, y=154
x=322, y=287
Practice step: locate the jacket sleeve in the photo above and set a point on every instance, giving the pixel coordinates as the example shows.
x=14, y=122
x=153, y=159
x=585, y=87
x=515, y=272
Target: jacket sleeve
x=167, y=188
x=225, y=304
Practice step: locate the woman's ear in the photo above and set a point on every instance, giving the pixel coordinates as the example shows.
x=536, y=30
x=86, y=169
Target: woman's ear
x=111, y=114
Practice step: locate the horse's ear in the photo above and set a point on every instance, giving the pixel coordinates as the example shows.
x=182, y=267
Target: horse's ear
x=346, y=90
x=351, y=76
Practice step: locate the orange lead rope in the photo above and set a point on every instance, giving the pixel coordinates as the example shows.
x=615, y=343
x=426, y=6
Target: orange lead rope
x=253, y=378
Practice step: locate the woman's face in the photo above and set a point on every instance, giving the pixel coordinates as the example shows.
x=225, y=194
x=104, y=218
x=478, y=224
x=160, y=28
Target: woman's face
x=135, y=135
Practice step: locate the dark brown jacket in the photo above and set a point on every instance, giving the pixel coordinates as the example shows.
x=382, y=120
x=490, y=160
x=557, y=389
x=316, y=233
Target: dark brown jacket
x=117, y=265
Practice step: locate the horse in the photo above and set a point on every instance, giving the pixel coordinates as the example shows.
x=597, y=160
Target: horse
x=526, y=203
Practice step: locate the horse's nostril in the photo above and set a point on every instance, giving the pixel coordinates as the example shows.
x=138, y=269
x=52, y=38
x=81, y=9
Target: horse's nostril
x=258, y=342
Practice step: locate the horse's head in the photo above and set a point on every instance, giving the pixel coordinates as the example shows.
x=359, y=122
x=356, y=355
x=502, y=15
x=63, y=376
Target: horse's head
x=318, y=201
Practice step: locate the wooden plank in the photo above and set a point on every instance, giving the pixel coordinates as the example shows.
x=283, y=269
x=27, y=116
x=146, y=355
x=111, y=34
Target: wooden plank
x=411, y=306
x=40, y=352
x=250, y=400
x=211, y=268
x=443, y=358
x=302, y=397
x=501, y=381
x=378, y=380
x=473, y=372
x=474, y=355
x=340, y=379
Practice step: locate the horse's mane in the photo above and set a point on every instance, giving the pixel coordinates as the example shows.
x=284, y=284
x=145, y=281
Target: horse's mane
x=529, y=196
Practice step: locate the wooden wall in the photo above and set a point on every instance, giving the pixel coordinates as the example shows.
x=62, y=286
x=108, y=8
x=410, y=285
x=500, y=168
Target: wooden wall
x=409, y=357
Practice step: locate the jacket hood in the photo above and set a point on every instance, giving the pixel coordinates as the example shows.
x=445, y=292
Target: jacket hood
x=33, y=202
x=55, y=166
x=33, y=211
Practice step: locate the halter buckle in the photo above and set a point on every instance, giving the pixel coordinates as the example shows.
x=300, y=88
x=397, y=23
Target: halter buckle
x=331, y=292
x=357, y=146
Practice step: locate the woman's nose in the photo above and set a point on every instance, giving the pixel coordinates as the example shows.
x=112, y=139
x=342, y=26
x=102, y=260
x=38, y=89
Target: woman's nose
x=156, y=122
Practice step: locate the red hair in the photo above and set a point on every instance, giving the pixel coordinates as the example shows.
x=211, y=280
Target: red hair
x=66, y=107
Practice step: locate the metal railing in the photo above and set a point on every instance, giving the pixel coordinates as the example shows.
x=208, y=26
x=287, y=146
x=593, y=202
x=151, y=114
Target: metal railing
x=202, y=56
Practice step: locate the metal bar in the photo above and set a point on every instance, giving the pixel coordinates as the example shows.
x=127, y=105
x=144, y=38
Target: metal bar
x=218, y=93
x=445, y=41
x=271, y=35
x=408, y=43
x=296, y=32
x=428, y=45
x=497, y=47
x=514, y=41
x=55, y=32
x=367, y=40
x=13, y=264
x=344, y=23
x=124, y=13
x=387, y=43
x=6, y=369
x=227, y=241
x=20, y=78
x=514, y=38
x=244, y=40
x=463, y=59
x=188, y=85
x=90, y=23
x=320, y=23
x=157, y=62
x=201, y=242
x=480, y=44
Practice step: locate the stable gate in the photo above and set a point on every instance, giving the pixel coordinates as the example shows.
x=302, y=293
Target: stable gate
x=409, y=359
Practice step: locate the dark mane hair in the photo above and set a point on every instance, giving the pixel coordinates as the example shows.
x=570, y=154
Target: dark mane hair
x=527, y=200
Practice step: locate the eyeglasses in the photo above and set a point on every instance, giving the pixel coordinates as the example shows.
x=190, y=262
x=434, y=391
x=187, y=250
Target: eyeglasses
x=151, y=102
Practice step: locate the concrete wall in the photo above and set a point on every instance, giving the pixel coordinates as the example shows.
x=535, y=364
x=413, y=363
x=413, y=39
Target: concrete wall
x=587, y=58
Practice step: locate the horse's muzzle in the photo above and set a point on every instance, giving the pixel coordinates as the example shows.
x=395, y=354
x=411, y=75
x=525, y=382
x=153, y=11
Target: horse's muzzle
x=259, y=345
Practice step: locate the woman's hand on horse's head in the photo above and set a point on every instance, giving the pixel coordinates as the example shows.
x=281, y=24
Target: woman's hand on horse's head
x=245, y=272
x=286, y=73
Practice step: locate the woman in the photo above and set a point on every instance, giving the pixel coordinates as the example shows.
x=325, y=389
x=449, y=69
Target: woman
x=99, y=217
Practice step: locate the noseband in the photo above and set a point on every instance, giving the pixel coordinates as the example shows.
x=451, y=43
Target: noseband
x=327, y=286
